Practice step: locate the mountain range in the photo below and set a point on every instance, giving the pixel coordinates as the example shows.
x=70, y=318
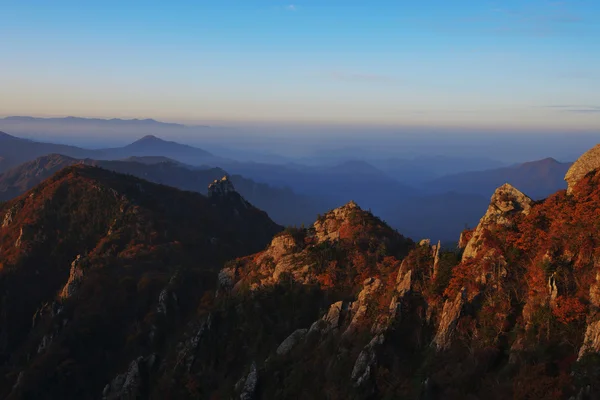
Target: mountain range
x=538, y=179
x=114, y=287
x=282, y=204
x=298, y=192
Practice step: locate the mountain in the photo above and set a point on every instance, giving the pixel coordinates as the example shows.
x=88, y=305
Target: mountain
x=109, y=289
x=438, y=216
x=14, y=150
x=350, y=309
x=537, y=178
x=97, y=266
x=152, y=146
x=113, y=123
x=424, y=168
x=283, y=205
x=335, y=184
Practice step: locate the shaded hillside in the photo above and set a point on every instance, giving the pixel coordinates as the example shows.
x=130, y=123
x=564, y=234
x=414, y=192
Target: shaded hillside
x=537, y=178
x=15, y=151
x=337, y=184
x=90, y=262
x=283, y=205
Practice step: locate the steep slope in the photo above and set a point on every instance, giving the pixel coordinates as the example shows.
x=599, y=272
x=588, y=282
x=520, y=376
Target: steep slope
x=537, y=178
x=98, y=268
x=283, y=205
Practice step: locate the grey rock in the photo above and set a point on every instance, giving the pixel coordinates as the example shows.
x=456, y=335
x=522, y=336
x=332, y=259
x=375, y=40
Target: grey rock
x=448, y=320
x=291, y=341
x=250, y=384
x=366, y=361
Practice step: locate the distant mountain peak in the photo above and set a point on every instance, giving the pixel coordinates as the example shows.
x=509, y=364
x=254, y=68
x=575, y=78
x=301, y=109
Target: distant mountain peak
x=150, y=138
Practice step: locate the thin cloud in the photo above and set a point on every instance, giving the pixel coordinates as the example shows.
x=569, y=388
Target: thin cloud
x=291, y=7
x=579, y=109
x=359, y=77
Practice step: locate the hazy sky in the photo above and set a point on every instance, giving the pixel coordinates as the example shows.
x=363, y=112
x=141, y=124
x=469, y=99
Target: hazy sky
x=513, y=63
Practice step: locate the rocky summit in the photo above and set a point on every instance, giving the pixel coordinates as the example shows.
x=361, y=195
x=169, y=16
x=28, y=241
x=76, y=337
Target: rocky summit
x=588, y=162
x=115, y=288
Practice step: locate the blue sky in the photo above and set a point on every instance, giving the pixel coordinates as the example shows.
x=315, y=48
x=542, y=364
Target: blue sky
x=502, y=64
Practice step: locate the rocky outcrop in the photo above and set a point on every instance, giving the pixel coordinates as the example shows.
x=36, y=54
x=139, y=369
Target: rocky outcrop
x=589, y=161
x=359, y=308
x=448, y=319
x=403, y=287
x=436, y=258
x=220, y=188
x=10, y=215
x=327, y=227
x=366, y=361
x=227, y=277
x=250, y=384
x=333, y=320
x=187, y=351
x=279, y=261
x=75, y=277
x=505, y=202
x=591, y=341
x=291, y=341
x=129, y=385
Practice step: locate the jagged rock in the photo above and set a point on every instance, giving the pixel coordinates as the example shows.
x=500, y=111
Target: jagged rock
x=291, y=341
x=332, y=320
x=187, y=352
x=75, y=277
x=436, y=258
x=327, y=228
x=366, y=361
x=552, y=289
x=591, y=341
x=589, y=161
x=463, y=239
x=425, y=242
x=403, y=287
x=45, y=342
x=359, y=308
x=18, y=381
x=126, y=386
x=220, y=188
x=505, y=202
x=227, y=277
x=448, y=319
x=250, y=384
x=9, y=216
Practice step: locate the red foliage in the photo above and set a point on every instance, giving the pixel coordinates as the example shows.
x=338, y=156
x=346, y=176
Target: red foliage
x=569, y=310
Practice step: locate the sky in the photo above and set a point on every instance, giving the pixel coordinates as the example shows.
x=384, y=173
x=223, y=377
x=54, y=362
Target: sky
x=514, y=64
